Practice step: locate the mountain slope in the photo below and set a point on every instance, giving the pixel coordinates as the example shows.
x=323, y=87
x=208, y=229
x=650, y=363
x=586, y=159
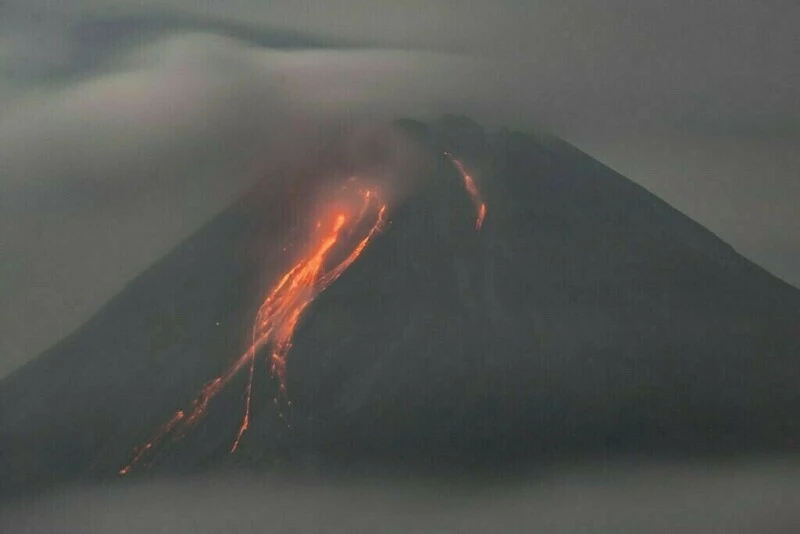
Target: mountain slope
x=587, y=317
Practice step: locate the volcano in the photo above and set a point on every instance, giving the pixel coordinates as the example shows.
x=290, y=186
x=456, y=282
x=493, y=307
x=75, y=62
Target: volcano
x=552, y=310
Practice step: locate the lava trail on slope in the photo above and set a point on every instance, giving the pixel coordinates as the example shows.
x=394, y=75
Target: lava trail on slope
x=472, y=189
x=279, y=315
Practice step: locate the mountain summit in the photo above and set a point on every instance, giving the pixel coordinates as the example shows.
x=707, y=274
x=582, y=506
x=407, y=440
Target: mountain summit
x=578, y=316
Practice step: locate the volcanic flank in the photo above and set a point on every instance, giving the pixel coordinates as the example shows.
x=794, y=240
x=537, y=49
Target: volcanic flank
x=514, y=301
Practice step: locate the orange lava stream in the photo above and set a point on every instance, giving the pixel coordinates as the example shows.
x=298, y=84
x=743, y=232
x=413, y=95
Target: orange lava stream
x=144, y=449
x=279, y=315
x=472, y=189
x=277, y=319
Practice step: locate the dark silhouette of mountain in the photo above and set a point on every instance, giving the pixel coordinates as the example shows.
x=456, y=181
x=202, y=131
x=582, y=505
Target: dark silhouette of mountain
x=587, y=318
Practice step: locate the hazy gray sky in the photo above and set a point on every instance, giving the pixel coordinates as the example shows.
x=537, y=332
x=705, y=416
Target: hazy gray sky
x=124, y=127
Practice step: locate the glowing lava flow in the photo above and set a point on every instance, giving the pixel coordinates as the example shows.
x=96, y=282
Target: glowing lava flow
x=472, y=189
x=277, y=319
x=280, y=313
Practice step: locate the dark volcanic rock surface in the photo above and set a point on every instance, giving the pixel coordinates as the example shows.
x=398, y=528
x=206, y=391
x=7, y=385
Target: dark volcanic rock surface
x=587, y=318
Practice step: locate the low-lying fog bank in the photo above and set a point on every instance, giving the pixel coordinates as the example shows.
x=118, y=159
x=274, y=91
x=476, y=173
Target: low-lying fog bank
x=743, y=497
